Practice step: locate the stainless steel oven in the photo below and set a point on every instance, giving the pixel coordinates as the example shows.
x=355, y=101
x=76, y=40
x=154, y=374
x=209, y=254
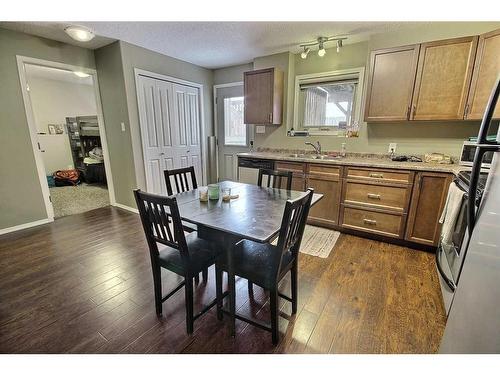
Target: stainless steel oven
x=450, y=256
x=468, y=152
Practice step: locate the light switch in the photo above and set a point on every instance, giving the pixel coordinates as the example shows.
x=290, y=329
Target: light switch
x=123, y=126
x=260, y=129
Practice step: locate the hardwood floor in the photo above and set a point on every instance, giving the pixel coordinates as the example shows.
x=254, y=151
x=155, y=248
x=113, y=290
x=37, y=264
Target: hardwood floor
x=83, y=284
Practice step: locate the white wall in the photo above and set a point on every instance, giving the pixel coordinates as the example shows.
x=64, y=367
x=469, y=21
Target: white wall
x=53, y=101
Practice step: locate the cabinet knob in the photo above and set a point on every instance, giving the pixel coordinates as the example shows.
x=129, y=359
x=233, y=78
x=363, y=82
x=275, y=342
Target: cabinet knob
x=373, y=196
x=376, y=175
x=369, y=221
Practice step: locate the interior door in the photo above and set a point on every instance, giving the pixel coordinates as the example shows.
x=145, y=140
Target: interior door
x=170, y=128
x=233, y=136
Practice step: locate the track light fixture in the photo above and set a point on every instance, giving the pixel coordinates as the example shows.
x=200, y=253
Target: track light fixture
x=320, y=42
x=305, y=52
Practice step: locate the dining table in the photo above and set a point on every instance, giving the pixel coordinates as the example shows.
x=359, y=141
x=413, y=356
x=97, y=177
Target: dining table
x=254, y=213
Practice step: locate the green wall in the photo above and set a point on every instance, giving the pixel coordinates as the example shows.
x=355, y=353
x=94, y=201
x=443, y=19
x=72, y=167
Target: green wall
x=411, y=137
x=21, y=199
x=231, y=74
x=114, y=105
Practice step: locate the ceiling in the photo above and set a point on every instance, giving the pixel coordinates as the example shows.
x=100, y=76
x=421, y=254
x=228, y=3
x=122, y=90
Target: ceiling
x=37, y=71
x=212, y=44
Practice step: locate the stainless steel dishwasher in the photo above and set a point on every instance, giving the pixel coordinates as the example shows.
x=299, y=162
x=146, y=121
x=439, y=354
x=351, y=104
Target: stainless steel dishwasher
x=248, y=169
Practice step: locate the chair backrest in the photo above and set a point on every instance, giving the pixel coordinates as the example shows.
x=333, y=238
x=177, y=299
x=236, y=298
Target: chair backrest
x=274, y=178
x=293, y=224
x=161, y=222
x=181, y=180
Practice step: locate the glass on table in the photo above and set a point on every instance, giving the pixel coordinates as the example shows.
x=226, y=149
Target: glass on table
x=226, y=194
x=203, y=193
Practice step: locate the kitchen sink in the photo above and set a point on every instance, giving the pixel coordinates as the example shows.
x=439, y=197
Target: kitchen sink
x=315, y=157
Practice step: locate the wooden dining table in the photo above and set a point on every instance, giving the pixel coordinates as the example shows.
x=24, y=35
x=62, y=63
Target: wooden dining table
x=255, y=215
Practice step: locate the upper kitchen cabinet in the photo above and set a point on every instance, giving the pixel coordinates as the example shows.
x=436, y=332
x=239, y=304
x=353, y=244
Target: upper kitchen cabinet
x=391, y=81
x=443, y=79
x=486, y=71
x=263, y=90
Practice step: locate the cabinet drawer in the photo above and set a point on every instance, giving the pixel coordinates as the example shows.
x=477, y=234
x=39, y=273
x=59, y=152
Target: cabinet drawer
x=381, y=175
x=373, y=222
x=296, y=168
x=324, y=172
x=381, y=196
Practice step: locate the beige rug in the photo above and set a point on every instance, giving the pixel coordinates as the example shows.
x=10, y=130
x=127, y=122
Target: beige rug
x=317, y=241
x=70, y=200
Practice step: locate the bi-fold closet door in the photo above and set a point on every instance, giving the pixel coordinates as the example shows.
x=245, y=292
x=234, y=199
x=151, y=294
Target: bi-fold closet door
x=170, y=128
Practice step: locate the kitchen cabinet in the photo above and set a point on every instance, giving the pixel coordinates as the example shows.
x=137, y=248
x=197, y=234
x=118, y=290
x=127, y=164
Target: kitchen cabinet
x=443, y=79
x=391, y=81
x=263, y=96
x=298, y=174
x=486, y=71
x=427, y=202
x=324, y=180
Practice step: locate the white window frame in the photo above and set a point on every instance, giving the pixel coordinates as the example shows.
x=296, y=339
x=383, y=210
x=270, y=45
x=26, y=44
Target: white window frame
x=246, y=129
x=335, y=75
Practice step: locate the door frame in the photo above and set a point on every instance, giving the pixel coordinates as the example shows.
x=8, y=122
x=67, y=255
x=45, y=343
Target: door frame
x=28, y=108
x=203, y=145
x=216, y=124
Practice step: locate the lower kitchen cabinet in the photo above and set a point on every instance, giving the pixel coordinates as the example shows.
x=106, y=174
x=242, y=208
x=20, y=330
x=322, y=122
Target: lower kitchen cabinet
x=427, y=203
x=298, y=170
x=324, y=180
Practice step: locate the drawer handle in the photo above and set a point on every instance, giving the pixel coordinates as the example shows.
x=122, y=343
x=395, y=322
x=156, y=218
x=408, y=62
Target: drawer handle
x=373, y=196
x=369, y=221
x=376, y=175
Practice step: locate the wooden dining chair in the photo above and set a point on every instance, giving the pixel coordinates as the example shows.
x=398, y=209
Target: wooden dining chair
x=171, y=249
x=181, y=180
x=275, y=178
x=266, y=265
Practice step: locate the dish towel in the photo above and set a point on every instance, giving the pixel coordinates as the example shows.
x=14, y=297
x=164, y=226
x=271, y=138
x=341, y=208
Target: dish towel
x=450, y=212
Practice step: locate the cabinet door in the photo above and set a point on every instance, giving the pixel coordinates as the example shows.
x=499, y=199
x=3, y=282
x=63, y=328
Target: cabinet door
x=443, y=79
x=486, y=71
x=325, y=180
x=391, y=81
x=428, y=199
x=297, y=169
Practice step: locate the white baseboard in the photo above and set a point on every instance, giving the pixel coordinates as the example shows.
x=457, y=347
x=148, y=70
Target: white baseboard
x=122, y=206
x=25, y=226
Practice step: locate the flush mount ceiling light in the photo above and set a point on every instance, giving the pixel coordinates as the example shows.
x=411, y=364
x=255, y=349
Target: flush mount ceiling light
x=320, y=42
x=81, y=74
x=79, y=33
x=305, y=52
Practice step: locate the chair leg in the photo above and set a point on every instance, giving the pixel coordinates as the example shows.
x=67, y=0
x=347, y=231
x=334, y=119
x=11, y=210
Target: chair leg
x=232, y=301
x=250, y=287
x=197, y=278
x=157, y=288
x=294, y=286
x=274, y=315
x=205, y=275
x=218, y=291
x=189, y=304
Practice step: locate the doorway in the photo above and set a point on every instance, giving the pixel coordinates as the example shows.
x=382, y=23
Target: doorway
x=65, y=120
x=233, y=136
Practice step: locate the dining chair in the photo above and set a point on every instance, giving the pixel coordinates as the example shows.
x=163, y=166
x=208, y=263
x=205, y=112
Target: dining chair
x=171, y=249
x=274, y=178
x=266, y=264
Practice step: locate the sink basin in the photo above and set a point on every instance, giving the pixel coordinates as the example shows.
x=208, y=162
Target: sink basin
x=297, y=155
x=314, y=156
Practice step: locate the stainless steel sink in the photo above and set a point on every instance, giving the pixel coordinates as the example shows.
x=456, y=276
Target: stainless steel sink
x=314, y=156
x=297, y=156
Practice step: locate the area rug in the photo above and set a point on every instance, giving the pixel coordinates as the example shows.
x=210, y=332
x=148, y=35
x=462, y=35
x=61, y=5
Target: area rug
x=70, y=200
x=317, y=241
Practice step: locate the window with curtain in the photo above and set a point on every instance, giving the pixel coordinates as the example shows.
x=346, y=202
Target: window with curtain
x=327, y=104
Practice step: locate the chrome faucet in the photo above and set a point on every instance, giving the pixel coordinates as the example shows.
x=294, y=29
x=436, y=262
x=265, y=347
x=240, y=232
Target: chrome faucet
x=317, y=147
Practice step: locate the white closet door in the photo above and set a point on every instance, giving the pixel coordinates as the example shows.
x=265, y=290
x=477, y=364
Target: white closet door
x=170, y=127
x=187, y=138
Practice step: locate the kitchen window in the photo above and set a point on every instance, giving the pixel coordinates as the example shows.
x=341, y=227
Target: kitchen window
x=235, y=132
x=328, y=103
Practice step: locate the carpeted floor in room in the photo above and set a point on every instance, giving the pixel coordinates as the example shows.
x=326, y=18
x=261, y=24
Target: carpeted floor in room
x=70, y=200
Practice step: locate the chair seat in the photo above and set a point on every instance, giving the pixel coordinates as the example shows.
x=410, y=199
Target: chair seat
x=202, y=255
x=257, y=262
x=189, y=227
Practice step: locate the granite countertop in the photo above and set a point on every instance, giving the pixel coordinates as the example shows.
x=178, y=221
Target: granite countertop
x=359, y=159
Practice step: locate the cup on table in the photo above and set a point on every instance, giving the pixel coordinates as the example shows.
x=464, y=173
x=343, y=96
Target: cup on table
x=213, y=191
x=203, y=193
x=226, y=194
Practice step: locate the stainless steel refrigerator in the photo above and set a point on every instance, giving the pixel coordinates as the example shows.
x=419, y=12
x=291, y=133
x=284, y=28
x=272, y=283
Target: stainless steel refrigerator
x=474, y=320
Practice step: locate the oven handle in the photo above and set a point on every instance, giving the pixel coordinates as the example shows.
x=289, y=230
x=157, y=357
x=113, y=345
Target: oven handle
x=448, y=282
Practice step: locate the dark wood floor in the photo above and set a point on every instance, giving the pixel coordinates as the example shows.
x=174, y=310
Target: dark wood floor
x=83, y=285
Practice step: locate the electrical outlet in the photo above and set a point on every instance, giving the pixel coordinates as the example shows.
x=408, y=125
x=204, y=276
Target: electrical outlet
x=260, y=129
x=123, y=126
x=392, y=148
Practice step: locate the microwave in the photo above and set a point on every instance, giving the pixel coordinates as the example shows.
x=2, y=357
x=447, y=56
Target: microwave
x=468, y=152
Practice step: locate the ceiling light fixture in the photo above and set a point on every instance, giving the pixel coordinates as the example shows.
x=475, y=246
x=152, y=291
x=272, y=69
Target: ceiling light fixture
x=320, y=42
x=81, y=74
x=79, y=33
x=305, y=52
